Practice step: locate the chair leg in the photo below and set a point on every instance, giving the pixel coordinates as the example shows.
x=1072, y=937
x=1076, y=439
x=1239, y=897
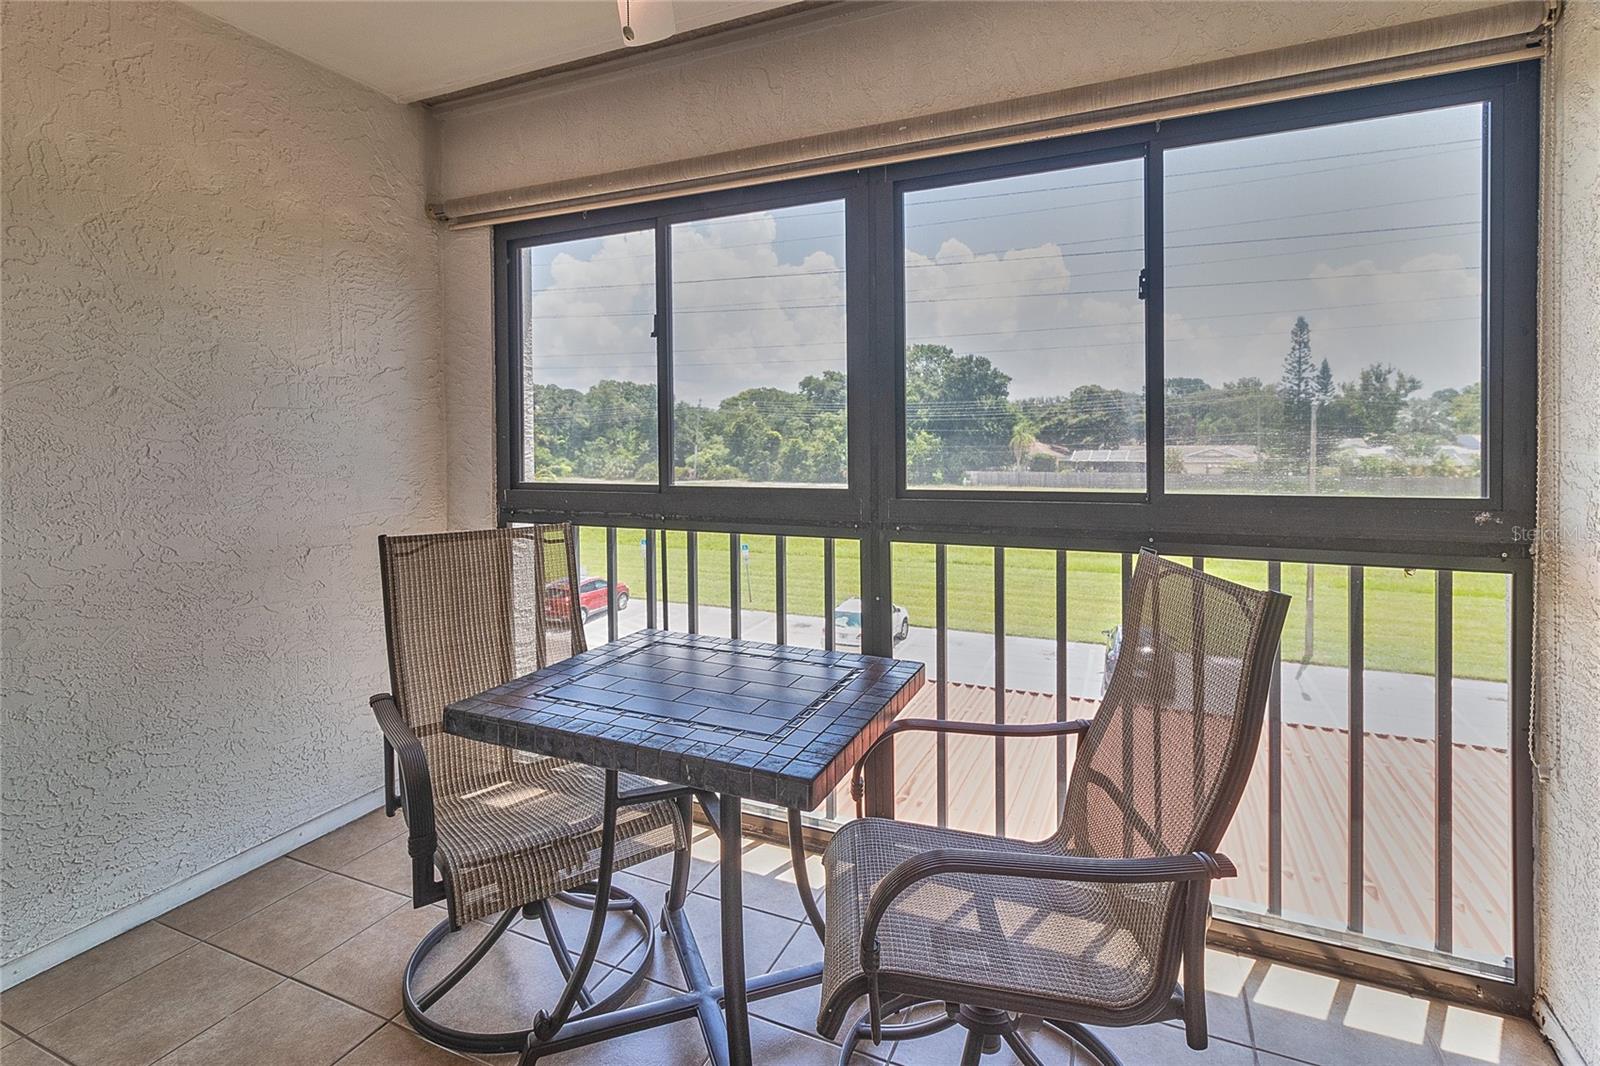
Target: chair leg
x=1019, y=1047
x=417, y=1005
x=861, y=1030
x=620, y=901
x=679, y=890
x=1091, y=1044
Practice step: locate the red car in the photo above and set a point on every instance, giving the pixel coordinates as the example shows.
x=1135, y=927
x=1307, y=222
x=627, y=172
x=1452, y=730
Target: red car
x=591, y=598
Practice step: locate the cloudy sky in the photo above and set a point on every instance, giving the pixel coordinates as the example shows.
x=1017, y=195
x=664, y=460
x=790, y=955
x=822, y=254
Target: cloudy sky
x=1370, y=230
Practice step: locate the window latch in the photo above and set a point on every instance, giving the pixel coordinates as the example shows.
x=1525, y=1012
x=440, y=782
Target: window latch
x=1144, y=284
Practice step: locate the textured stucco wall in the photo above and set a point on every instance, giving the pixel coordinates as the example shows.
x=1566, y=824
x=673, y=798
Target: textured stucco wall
x=466, y=286
x=1569, y=547
x=221, y=381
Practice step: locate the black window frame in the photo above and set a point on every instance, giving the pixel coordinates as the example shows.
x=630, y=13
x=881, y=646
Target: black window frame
x=831, y=505
x=877, y=503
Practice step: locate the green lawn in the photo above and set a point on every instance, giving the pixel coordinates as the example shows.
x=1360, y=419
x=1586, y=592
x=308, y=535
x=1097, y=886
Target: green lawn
x=1399, y=606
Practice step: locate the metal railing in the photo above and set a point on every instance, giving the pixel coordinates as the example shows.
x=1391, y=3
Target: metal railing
x=674, y=572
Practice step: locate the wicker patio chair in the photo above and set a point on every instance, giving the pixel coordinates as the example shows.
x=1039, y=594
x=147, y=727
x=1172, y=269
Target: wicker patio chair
x=507, y=833
x=1092, y=925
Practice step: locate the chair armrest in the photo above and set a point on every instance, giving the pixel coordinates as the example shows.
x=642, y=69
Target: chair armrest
x=1192, y=866
x=1078, y=726
x=416, y=795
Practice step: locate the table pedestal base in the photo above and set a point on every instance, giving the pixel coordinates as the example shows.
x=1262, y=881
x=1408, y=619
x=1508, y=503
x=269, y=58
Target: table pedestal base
x=722, y=1009
x=704, y=1001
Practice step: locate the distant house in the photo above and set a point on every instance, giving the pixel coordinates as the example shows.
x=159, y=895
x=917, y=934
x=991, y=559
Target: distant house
x=1106, y=460
x=1054, y=452
x=1197, y=458
x=1207, y=459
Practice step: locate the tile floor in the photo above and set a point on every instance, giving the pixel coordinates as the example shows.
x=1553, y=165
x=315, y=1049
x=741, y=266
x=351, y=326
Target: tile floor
x=298, y=963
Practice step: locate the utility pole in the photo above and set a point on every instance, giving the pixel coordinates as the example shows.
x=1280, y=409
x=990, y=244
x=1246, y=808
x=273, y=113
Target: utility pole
x=1311, y=570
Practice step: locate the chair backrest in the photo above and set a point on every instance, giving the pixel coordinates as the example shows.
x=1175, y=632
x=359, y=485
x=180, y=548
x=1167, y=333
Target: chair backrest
x=1165, y=760
x=470, y=610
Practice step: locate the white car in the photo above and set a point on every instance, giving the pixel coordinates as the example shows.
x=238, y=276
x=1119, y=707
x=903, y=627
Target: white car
x=847, y=623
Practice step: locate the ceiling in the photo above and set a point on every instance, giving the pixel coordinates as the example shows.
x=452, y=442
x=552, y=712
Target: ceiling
x=413, y=50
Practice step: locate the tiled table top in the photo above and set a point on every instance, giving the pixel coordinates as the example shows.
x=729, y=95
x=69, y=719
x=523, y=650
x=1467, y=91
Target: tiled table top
x=771, y=723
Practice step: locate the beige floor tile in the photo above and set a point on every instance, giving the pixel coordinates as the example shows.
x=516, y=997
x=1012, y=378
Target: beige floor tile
x=350, y=841
x=703, y=857
x=27, y=1053
x=1227, y=1013
x=1164, y=1044
x=944, y=1048
x=395, y=1046
x=8, y=1035
x=366, y=969
x=303, y=926
x=140, y=1021
x=504, y=992
x=622, y=937
x=798, y=1009
x=387, y=866
x=53, y=993
x=1294, y=1010
x=1472, y=1038
x=776, y=1045
x=769, y=881
x=237, y=900
x=765, y=936
x=291, y=1025
x=679, y=1044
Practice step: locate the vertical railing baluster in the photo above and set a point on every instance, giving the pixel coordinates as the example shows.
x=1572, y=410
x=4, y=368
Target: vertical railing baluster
x=1444, y=766
x=1275, y=765
x=735, y=613
x=827, y=636
x=691, y=577
x=782, y=593
x=1358, y=727
x=941, y=660
x=666, y=586
x=1061, y=676
x=827, y=593
x=611, y=582
x=1000, y=689
x=650, y=578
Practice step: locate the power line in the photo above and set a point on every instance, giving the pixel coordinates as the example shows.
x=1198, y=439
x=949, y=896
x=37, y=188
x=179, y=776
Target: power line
x=1193, y=244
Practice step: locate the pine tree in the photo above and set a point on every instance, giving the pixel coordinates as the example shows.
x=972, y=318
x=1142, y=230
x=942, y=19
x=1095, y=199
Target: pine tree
x=1297, y=388
x=1322, y=388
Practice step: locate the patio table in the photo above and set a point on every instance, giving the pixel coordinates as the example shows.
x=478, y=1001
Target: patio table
x=722, y=720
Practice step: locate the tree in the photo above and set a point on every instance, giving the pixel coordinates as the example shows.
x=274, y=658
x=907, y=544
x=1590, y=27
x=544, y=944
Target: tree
x=1466, y=409
x=1297, y=387
x=1373, y=403
x=962, y=404
x=1322, y=386
x=1023, y=437
x=1092, y=416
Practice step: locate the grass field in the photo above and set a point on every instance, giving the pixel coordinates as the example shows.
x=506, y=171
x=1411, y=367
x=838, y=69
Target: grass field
x=1399, y=607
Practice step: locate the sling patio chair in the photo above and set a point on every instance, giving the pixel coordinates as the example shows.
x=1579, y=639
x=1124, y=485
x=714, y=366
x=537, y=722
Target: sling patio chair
x=1090, y=926
x=493, y=832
